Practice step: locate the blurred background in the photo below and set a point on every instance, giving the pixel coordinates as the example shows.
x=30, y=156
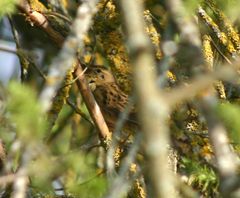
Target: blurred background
x=10, y=66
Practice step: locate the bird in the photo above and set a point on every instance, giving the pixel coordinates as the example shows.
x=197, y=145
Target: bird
x=110, y=98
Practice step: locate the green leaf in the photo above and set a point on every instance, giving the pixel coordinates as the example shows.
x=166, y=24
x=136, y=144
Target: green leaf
x=7, y=6
x=229, y=113
x=26, y=113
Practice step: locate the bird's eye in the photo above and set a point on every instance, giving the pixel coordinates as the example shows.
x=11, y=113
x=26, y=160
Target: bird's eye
x=98, y=71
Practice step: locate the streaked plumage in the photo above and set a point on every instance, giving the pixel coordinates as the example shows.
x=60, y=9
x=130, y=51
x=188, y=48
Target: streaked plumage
x=111, y=99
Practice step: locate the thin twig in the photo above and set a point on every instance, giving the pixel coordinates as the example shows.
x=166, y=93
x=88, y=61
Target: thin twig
x=49, y=13
x=75, y=79
x=22, y=53
x=16, y=38
x=5, y=49
x=120, y=185
x=189, y=90
x=220, y=52
x=78, y=111
x=117, y=133
x=61, y=125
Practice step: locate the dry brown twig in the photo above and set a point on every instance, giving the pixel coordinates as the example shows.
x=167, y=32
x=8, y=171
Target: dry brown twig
x=91, y=104
x=38, y=19
x=61, y=65
x=67, y=56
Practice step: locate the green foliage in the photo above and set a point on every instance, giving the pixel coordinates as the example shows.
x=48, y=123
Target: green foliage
x=67, y=157
x=230, y=7
x=6, y=6
x=201, y=177
x=191, y=6
x=81, y=178
x=84, y=180
x=95, y=187
x=229, y=113
x=25, y=112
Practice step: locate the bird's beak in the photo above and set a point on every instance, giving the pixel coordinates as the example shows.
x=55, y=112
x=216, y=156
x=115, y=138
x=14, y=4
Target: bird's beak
x=92, y=85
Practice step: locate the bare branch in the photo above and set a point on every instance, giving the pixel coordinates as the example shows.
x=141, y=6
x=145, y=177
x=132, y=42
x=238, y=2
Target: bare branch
x=90, y=102
x=226, y=159
x=201, y=83
x=187, y=28
x=40, y=20
x=119, y=185
x=20, y=184
x=67, y=55
x=6, y=179
x=153, y=110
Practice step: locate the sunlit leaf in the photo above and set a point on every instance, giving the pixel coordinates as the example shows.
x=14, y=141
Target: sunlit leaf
x=6, y=6
x=230, y=116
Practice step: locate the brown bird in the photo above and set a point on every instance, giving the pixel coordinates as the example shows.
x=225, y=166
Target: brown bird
x=110, y=98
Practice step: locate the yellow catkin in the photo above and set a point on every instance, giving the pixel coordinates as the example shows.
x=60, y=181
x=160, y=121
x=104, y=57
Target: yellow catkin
x=172, y=77
x=110, y=37
x=208, y=56
x=138, y=191
x=88, y=50
x=226, y=25
x=118, y=58
x=37, y=6
x=117, y=156
x=220, y=35
x=61, y=97
x=219, y=86
x=207, y=52
x=106, y=141
x=65, y=3
x=23, y=60
x=153, y=34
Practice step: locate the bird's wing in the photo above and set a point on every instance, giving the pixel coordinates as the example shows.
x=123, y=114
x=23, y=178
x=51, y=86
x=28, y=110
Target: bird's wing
x=113, y=101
